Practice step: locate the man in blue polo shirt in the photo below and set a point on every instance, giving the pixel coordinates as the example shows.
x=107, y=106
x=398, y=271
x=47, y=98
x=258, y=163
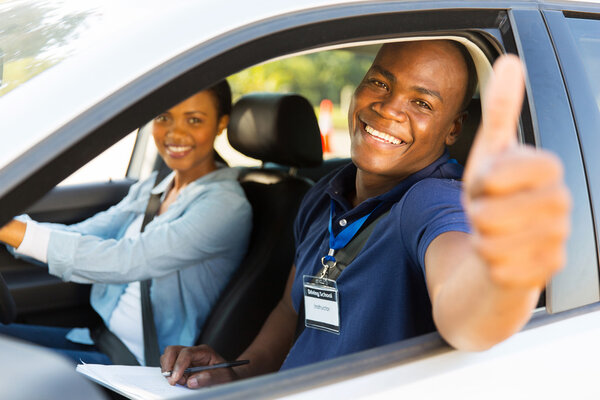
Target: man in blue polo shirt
x=469, y=258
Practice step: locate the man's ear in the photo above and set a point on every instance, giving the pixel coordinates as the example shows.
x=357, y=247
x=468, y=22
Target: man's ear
x=457, y=124
x=223, y=122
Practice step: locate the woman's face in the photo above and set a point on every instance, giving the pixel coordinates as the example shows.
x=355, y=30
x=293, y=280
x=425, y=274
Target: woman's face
x=185, y=134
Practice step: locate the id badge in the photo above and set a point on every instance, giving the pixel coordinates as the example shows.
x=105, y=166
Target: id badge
x=321, y=304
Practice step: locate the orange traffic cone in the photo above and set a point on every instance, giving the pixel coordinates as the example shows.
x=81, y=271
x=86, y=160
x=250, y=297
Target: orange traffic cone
x=326, y=123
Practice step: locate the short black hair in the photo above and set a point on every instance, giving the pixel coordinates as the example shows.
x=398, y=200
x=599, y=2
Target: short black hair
x=222, y=92
x=471, y=74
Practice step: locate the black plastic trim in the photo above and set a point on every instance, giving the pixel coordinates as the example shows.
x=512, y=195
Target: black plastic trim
x=74, y=203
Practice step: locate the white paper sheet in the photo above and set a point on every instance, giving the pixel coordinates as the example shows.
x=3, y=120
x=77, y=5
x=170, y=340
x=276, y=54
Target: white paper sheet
x=144, y=383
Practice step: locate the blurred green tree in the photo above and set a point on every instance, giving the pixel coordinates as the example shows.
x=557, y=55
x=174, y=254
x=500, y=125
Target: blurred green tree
x=27, y=31
x=316, y=76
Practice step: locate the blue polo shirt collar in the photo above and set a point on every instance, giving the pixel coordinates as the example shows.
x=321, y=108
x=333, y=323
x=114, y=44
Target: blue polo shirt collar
x=345, y=180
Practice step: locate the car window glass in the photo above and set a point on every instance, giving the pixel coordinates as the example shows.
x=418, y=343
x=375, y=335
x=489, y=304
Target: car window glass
x=145, y=154
x=327, y=79
x=586, y=33
x=109, y=165
x=36, y=35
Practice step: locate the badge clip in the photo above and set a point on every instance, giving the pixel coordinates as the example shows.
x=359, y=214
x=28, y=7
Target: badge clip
x=325, y=261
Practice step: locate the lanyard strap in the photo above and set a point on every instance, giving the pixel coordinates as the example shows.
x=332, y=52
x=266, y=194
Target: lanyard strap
x=345, y=236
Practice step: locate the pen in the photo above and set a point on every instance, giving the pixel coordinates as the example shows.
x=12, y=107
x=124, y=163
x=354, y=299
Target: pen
x=226, y=364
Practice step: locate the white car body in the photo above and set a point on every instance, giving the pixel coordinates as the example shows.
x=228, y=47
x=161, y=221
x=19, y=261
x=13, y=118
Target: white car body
x=133, y=51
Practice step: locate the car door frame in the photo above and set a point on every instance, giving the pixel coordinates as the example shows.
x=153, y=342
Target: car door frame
x=586, y=120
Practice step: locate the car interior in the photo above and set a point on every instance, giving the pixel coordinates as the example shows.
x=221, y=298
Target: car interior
x=279, y=129
x=282, y=129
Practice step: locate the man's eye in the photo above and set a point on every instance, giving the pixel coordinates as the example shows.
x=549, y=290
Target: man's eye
x=379, y=84
x=161, y=118
x=423, y=104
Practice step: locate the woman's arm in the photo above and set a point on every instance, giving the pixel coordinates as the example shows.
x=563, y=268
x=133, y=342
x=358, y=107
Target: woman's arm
x=28, y=238
x=108, y=223
x=211, y=227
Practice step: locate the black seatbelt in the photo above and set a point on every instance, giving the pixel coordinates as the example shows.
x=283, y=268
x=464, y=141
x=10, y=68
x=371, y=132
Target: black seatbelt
x=343, y=258
x=151, y=349
x=107, y=342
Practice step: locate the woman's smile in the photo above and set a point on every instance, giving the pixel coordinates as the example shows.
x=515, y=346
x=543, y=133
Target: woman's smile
x=185, y=136
x=178, y=150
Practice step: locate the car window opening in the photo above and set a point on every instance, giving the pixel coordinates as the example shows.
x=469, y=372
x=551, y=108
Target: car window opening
x=459, y=151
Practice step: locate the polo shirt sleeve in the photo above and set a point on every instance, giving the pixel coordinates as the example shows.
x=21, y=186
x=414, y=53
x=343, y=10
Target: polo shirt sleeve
x=431, y=207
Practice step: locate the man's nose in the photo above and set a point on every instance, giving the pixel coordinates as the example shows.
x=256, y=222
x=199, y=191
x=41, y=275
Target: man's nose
x=393, y=108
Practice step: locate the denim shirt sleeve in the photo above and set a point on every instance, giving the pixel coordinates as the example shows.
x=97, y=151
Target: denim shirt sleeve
x=109, y=223
x=105, y=224
x=217, y=219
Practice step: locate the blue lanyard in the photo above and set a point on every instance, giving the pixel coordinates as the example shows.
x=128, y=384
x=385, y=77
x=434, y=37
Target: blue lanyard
x=345, y=236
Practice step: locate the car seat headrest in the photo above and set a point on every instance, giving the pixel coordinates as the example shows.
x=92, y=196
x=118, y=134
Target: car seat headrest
x=278, y=128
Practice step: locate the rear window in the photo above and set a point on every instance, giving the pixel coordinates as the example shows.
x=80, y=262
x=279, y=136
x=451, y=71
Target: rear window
x=586, y=33
x=327, y=79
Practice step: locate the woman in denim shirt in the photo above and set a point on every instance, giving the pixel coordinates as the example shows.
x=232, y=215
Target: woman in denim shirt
x=189, y=250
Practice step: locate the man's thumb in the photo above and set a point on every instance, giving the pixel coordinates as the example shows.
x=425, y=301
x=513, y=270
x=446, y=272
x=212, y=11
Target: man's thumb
x=501, y=108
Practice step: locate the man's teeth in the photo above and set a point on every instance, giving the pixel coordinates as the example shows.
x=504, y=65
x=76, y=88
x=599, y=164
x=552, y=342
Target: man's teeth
x=383, y=136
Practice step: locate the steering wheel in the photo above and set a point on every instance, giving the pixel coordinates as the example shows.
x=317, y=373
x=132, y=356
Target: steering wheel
x=8, y=309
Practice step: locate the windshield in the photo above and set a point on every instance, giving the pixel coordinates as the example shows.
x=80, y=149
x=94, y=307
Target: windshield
x=35, y=35
x=38, y=34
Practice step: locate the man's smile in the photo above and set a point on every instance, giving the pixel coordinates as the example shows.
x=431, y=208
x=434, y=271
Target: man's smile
x=382, y=136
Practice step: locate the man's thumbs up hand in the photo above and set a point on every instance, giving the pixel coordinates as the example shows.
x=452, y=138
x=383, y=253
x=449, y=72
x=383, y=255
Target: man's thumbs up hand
x=514, y=196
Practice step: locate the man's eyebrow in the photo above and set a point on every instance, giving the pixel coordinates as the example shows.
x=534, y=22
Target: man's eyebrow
x=388, y=75
x=392, y=78
x=428, y=92
x=195, y=112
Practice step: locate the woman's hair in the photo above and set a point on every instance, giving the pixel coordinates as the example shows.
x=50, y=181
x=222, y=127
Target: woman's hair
x=222, y=93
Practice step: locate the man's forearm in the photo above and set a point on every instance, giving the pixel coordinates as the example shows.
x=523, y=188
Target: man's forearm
x=472, y=312
x=268, y=351
x=485, y=286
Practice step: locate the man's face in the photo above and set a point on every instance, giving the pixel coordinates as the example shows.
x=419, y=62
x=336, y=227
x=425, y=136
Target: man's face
x=407, y=108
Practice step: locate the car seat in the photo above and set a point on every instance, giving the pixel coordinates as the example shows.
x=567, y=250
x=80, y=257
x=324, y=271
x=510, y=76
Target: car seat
x=460, y=150
x=274, y=128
